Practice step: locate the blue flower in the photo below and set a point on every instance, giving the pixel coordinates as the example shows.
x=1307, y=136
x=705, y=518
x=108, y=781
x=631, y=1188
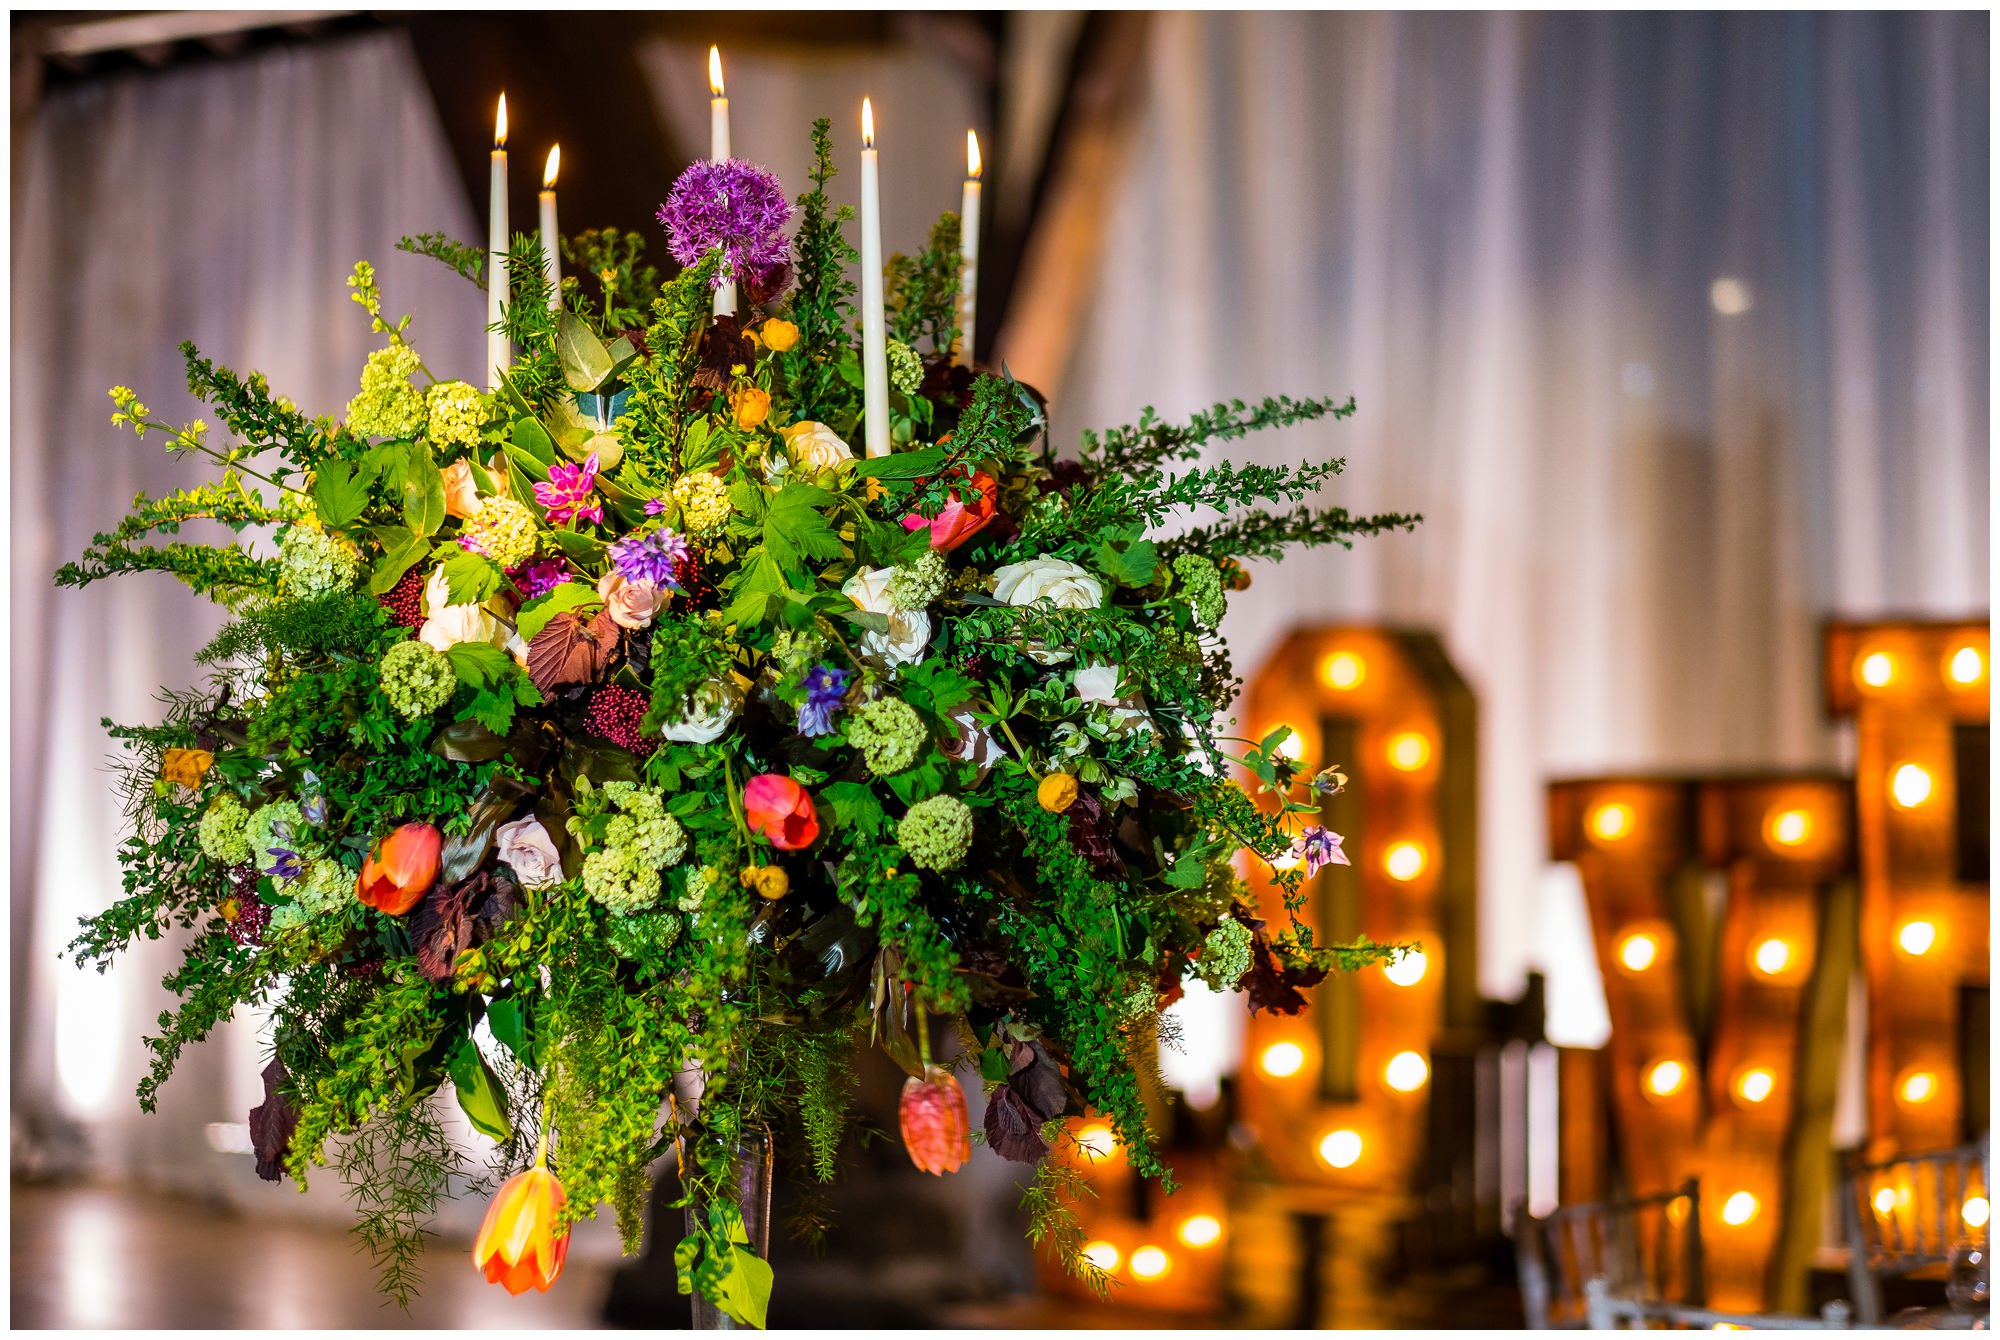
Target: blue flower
x=826, y=687
x=284, y=864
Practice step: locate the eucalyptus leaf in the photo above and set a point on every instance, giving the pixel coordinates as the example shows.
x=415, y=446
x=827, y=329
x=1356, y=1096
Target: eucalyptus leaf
x=533, y=439
x=572, y=428
x=586, y=363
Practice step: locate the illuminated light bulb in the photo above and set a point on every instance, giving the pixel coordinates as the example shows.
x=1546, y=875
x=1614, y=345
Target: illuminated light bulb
x=1637, y=952
x=1772, y=957
x=1967, y=666
x=1102, y=1255
x=1097, y=1140
x=1754, y=1086
x=1201, y=1230
x=1677, y=1211
x=1790, y=828
x=1293, y=746
x=1282, y=1060
x=1341, y=1149
x=1910, y=786
x=1729, y=1326
x=1665, y=1079
x=1406, y=1072
x=1918, y=1087
x=1739, y=1209
x=1885, y=1201
x=1916, y=938
x=1608, y=823
x=1407, y=970
x=1409, y=751
x=1343, y=670
x=1875, y=670
x=1149, y=1263
x=1976, y=1212
x=1404, y=861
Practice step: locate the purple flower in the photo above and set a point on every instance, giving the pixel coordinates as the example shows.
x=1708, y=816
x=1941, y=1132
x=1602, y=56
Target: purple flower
x=1320, y=848
x=567, y=495
x=734, y=205
x=825, y=688
x=284, y=864
x=653, y=557
x=312, y=805
x=655, y=506
x=539, y=577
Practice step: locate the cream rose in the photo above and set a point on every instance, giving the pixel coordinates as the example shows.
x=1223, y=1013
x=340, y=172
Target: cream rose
x=526, y=847
x=632, y=604
x=1097, y=683
x=1066, y=585
x=909, y=631
x=972, y=743
x=815, y=445
x=716, y=704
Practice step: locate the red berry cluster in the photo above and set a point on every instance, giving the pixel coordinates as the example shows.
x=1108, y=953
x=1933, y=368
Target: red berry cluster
x=251, y=917
x=405, y=601
x=697, y=590
x=615, y=714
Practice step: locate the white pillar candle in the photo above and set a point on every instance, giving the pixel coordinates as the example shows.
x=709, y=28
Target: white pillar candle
x=718, y=149
x=874, y=325
x=968, y=251
x=551, y=239
x=498, y=352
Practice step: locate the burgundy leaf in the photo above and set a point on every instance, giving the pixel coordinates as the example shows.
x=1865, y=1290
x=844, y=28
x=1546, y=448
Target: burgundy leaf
x=272, y=1123
x=441, y=929
x=1038, y=1079
x=571, y=650
x=1013, y=1130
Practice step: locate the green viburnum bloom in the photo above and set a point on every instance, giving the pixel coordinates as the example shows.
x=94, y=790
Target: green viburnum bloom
x=503, y=530
x=888, y=732
x=456, y=412
x=936, y=833
x=388, y=406
x=1202, y=584
x=315, y=561
x=280, y=825
x=700, y=883
x=640, y=839
x=906, y=370
x=915, y=585
x=326, y=886
x=1225, y=956
x=416, y=679
x=704, y=501
x=221, y=831
x=644, y=936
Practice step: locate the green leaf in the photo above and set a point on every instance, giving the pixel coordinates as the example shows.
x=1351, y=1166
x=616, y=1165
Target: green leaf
x=473, y=577
x=480, y=664
x=872, y=620
x=902, y=464
x=1188, y=872
x=423, y=490
x=401, y=550
x=531, y=445
x=936, y=688
x=854, y=805
x=340, y=493
x=509, y=1022
x=993, y=1064
x=697, y=453
x=726, y=1219
x=479, y=1091
x=585, y=360
x=585, y=549
x=1125, y=556
x=746, y=1288
x=917, y=783
x=535, y=615
x=795, y=519
x=687, y=1253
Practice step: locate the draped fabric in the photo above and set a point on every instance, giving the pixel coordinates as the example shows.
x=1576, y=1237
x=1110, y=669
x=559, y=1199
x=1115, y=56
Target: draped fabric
x=1674, y=327
x=224, y=205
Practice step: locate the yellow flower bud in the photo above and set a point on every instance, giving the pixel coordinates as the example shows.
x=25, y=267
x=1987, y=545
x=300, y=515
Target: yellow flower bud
x=768, y=881
x=1057, y=792
x=752, y=407
x=1235, y=576
x=779, y=335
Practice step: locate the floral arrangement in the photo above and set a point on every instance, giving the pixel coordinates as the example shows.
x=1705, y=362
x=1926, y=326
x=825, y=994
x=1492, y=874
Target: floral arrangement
x=625, y=770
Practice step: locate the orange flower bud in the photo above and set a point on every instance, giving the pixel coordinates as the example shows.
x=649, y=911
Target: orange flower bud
x=186, y=766
x=935, y=1128
x=517, y=1244
x=780, y=809
x=401, y=869
x=770, y=881
x=779, y=335
x=1057, y=792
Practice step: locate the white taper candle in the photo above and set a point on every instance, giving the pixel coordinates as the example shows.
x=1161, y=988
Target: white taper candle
x=551, y=239
x=498, y=351
x=968, y=252
x=874, y=323
x=718, y=149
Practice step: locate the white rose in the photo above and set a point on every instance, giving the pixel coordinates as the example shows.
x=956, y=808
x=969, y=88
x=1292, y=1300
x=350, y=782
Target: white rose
x=716, y=704
x=1097, y=683
x=1066, y=585
x=446, y=625
x=526, y=847
x=973, y=743
x=815, y=445
x=909, y=631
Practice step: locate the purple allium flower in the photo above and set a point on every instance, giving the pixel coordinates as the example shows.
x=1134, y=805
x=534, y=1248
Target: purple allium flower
x=655, y=506
x=567, y=495
x=538, y=577
x=1320, y=848
x=654, y=557
x=734, y=205
x=826, y=687
x=284, y=864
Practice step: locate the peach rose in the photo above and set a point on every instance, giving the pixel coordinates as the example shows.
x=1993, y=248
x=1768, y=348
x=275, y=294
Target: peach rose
x=632, y=604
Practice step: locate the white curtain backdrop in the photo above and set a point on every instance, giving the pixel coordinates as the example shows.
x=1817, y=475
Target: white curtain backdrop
x=1644, y=487
x=225, y=205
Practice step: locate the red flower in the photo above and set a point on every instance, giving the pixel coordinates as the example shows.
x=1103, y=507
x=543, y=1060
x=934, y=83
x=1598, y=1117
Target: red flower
x=780, y=809
x=400, y=869
x=958, y=523
x=935, y=1128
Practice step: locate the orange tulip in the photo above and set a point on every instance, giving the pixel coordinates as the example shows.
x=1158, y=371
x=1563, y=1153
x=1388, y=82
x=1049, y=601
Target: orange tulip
x=517, y=1244
x=935, y=1128
x=779, y=808
x=401, y=869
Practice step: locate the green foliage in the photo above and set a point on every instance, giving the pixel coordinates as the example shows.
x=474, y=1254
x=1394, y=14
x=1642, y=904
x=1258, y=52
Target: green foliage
x=823, y=305
x=469, y=262
x=922, y=290
x=397, y=1171
x=606, y=279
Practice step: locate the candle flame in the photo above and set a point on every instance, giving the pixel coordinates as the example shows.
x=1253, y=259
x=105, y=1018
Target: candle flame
x=971, y=154
x=867, y=125
x=549, y=172
x=714, y=72
x=500, y=124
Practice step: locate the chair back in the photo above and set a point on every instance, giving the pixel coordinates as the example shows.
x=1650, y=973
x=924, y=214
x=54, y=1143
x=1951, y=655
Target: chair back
x=1906, y=1213
x=1648, y=1248
x=1608, y=1312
